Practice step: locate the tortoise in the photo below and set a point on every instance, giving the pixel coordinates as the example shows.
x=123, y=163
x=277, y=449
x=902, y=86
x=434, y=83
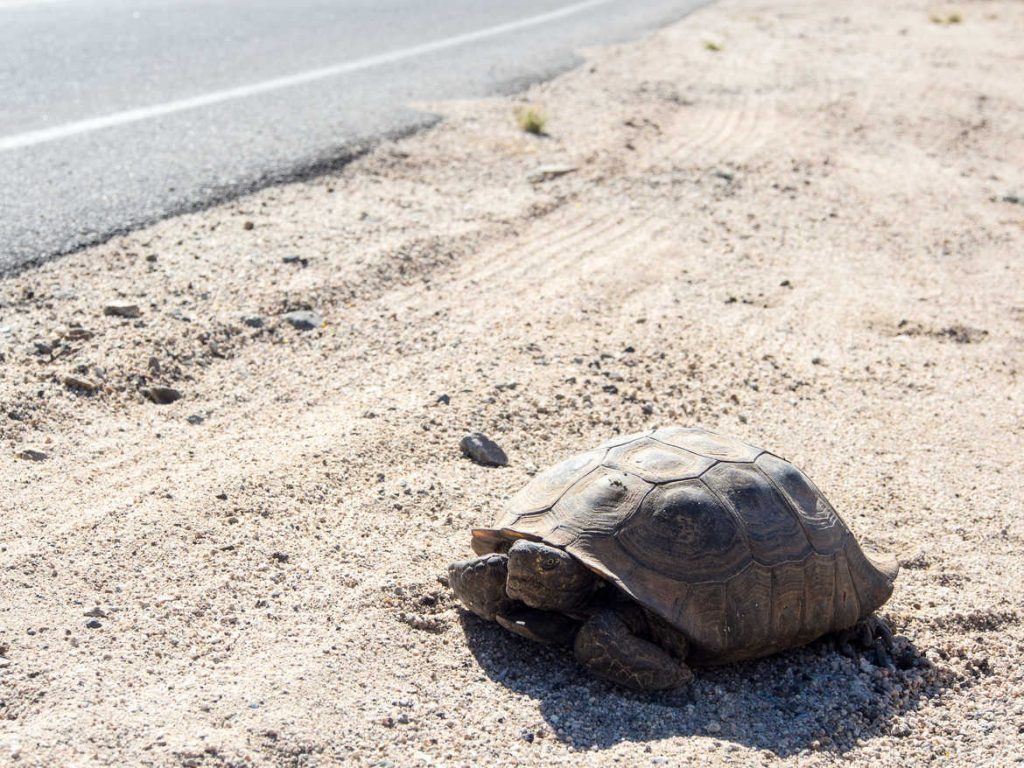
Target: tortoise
x=672, y=548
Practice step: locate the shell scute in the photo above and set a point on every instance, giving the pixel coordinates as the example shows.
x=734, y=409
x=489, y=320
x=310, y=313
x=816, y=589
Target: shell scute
x=771, y=527
x=547, y=487
x=824, y=529
x=682, y=530
x=709, y=444
x=597, y=503
x=656, y=462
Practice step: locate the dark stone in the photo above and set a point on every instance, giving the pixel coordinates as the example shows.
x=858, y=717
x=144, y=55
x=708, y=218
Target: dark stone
x=444, y=400
x=93, y=624
x=122, y=310
x=253, y=321
x=32, y=455
x=161, y=395
x=80, y=384
x=481, y=449
x=304, y=320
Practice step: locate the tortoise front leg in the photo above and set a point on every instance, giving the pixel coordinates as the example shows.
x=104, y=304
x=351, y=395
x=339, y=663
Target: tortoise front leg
x=607, y=647
x=480, y=585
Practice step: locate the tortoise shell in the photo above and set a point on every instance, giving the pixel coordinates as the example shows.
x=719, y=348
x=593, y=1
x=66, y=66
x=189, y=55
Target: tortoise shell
x=729, y=543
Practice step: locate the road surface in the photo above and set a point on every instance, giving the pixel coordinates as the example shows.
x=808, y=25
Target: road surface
x=114, y=114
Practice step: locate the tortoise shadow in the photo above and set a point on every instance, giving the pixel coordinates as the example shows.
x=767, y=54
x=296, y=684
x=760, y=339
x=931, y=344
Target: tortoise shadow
x=810, y=698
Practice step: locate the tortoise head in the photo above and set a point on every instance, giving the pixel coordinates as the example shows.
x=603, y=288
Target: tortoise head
x=547, y=578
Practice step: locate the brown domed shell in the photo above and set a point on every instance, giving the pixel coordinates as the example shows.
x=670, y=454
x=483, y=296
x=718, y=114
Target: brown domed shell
x=729, y=543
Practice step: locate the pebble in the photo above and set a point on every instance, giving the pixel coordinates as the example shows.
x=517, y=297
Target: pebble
x=31, y=454
x=548, y=172
x=93, y=624
x=161, y=395
x=74, y=382
x=77, y=333
x=253, y=321
x=304, y=320
x=196, y=418
x=122, y=310
x=481, y=449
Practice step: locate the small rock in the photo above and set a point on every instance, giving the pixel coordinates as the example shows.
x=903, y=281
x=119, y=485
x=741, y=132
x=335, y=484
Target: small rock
x=96, y=613
x=122, y=310
x=196, y=418
x=30, y=454
x=161, y=395
x=548, y=172
x=443, y=400
x=248, y=225
x=481, y=449
x=281, y=557
x=304, y=320
x=77, y=333
x=83, y=385
x=295, y=260
x=253, y=321
x=93, y=624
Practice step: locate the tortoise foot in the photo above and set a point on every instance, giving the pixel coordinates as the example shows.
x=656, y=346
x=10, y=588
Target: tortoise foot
x=871, y=635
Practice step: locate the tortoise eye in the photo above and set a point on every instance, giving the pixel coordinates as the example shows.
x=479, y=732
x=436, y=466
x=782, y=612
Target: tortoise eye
x=548, y=563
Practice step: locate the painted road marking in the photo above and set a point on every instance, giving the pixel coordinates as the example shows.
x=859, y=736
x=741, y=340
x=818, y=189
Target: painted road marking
x=44, y=135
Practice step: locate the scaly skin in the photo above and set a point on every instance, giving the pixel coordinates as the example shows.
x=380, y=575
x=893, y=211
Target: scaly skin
x=606, y=647
x=480, y=584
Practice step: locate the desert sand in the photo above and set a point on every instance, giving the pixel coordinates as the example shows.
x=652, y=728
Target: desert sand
x=797, y=223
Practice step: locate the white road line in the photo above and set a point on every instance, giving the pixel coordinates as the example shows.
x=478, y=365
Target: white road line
x=41, y=136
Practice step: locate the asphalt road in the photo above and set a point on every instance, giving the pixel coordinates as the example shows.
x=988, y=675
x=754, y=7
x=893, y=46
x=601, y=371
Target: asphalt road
x=116, y=113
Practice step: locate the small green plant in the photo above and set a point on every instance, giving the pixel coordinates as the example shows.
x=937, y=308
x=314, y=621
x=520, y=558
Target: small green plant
x=712, y=45
x=953, y=17
x=531, y=120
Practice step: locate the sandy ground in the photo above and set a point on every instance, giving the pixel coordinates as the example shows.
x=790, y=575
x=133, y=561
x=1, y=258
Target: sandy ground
x=808, y=238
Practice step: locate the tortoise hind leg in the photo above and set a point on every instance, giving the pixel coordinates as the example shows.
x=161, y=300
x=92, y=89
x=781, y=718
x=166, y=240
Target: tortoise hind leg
x=480, y=584
x=607, y=647
x=871, y=633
